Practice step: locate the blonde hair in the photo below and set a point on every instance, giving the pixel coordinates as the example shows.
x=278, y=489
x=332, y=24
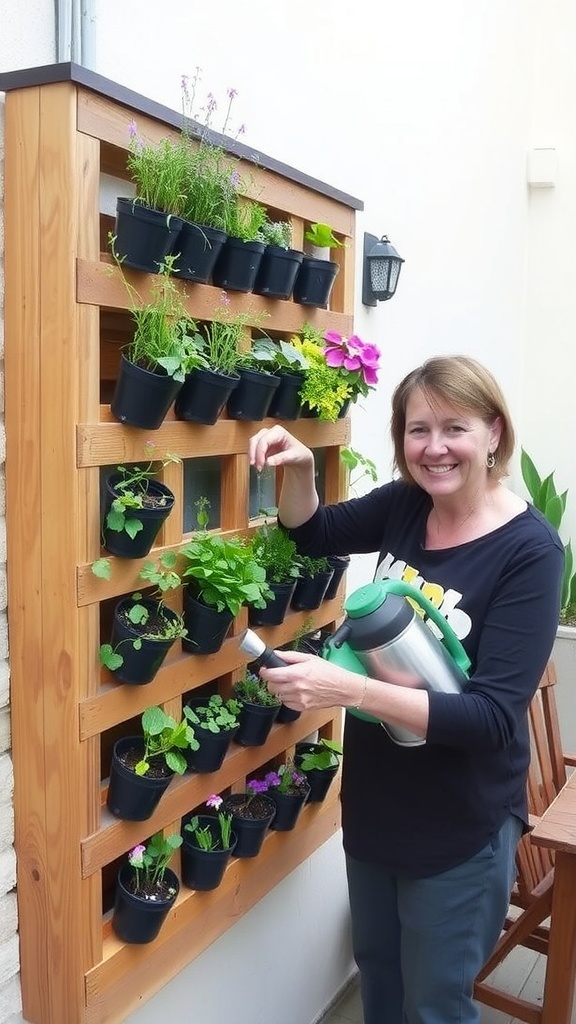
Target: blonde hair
x=464, y=383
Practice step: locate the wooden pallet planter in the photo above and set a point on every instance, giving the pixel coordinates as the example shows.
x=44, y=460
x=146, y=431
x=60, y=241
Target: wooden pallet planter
x=65, y=322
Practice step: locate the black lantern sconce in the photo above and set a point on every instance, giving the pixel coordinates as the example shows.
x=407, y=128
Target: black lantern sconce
x=381, y=271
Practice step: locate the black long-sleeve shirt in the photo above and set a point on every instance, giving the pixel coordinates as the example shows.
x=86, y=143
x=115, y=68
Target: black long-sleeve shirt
x=421, y=810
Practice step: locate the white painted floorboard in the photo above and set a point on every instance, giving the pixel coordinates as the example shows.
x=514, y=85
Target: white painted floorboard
x=522, y=974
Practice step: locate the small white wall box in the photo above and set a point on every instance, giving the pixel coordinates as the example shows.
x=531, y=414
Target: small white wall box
x=542, y=166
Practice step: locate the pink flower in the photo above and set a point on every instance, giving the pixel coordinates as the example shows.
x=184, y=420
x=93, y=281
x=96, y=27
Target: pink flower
x=214, y=801
x=135, y=857
x=353, y=355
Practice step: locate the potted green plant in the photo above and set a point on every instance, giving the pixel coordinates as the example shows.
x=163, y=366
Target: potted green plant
x=314, y=576
x=340, y=370
x=552, y=505
x=135, y=507
x=276, y=552
x=209, y=842
x=222, y=576
x=317, y=273
x=154, y=364
x=258, y=383
x=252, y=813
x=146, y=890
x=289, y=789
x=289, y=364
x=280, y=263
x=259, y=710
x=215, y=721
x=147, y=227
x=142, y=767
x=319, y=762
x=239, y=259
x=143, y=628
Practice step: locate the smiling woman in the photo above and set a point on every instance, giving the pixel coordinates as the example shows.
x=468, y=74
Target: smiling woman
x=491, y=566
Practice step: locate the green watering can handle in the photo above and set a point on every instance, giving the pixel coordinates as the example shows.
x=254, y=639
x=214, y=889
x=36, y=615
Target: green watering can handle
x=449, y=638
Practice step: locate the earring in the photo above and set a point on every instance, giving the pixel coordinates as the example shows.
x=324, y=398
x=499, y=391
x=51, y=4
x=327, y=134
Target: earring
x=490, y=460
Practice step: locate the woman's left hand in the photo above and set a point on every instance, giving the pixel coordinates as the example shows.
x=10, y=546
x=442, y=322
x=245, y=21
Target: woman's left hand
x=311, y=682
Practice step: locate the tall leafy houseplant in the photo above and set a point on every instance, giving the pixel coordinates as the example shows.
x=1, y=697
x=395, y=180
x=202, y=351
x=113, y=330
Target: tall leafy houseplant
x=552, y=505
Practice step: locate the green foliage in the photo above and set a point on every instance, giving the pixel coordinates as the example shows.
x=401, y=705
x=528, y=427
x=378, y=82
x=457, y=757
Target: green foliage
x=323, y=237
x=162, y=573
x=217, y=715
x=352, y=460
x=312, y=566
x=552, y=505
x=245, y=220
x=211, y=186
x=276, y=552
x=277, y=233
x=326, y=757
x=164, y=737
x=277, y=355
x=223, y=571
x=205, y=836
x=323, y=388
x=150, y=862
x=165, y=338
x=253, y=690
x=158, y=171
x=131, y=490
x=167, y=625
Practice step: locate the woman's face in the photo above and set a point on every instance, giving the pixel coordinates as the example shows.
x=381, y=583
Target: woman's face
x=446, y=447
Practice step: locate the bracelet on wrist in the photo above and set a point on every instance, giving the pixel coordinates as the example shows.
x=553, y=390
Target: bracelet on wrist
x=363, y=697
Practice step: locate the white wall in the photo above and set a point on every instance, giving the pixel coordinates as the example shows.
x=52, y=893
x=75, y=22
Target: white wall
x=427, y=113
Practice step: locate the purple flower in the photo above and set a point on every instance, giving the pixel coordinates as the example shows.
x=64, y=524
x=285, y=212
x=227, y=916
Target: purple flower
x=214, y=801
x=135, y=857
x=231, y=93
x=235, y=179
x=272, y=779
x=132, y=129
x=257, y=786
x=242, y=129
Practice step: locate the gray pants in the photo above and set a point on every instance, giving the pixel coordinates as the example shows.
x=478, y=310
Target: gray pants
x=420, y=943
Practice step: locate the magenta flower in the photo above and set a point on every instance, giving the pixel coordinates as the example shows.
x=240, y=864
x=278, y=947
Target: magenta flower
x=136, y=856
x=214, y=801
x=354, y=357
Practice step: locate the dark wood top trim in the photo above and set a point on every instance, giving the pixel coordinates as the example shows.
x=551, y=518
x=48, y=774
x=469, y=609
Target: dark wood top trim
x=70, y=72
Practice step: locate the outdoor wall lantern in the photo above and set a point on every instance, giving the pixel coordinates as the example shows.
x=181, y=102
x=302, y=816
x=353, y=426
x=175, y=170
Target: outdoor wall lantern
x=381, y=271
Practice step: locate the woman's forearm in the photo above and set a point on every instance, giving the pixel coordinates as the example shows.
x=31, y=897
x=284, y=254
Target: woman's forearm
x=298, y=497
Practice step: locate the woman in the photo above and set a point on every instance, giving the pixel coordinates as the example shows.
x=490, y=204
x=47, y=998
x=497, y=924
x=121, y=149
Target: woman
x=430, y=832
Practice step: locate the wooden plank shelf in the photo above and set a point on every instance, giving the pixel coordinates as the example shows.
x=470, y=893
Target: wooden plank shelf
x=67, y=317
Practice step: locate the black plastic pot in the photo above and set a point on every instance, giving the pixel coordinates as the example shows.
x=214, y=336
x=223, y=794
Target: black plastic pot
x=206, y=626
x=256, y=721
x=315, y=281
x=136, y=919
x=237, y=265
x=152, y=516
x=310, y=591
x=204, y=395
x=251, y=399
x=134, y=797
x=319, y=779
x=143, y=236
x=140, y=664
x=286, y=715
x=198, y=247
x=277, y=272
x=141, y=398
x=288, y=808
x=212, y=745
x=339, y=564
x=203, y=870
x=251, y=830
x=275, y=611
x=286, y=403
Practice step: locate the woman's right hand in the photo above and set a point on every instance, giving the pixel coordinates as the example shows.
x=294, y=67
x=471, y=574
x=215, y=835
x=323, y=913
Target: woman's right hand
x=275, y=446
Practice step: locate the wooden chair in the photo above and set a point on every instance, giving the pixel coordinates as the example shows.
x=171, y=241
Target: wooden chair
x=532, y=896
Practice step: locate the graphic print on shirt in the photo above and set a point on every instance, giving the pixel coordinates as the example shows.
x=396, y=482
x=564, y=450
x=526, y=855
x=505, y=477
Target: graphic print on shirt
x=445, y=601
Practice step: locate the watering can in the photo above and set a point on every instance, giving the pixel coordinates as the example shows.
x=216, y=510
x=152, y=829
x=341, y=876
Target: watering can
x=384, y=636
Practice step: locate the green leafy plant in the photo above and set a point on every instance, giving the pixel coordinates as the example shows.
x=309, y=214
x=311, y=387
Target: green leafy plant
x=158, y=171
x=217, y=715
x=276, y=552
x=327, y=754
x=552, y=505
x=277, y=232
x=288, y=779
x=311, y=567
x=245, y=220
x=322, y=236
x=253, y=690
x=206, y=836
x=165, y=338
x=277, y=355
x=353, y=459
x=323, y=388
x=161, y=623
x=221, y=571
x=132, y=492
x=164, y=737
x=150, y=861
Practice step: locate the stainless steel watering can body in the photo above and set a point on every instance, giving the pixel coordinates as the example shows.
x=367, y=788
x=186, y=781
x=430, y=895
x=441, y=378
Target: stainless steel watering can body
x=384, y=637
